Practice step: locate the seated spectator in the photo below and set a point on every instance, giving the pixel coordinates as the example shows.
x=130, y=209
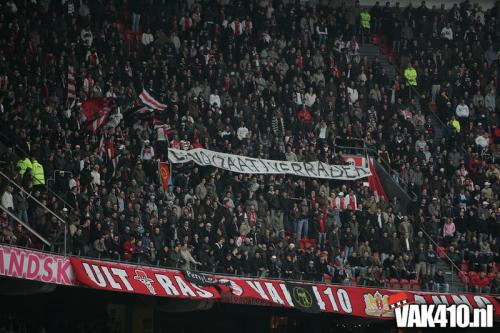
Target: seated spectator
x=495, y=284
x=369, y=279
x=440, y=285
x=481, y=283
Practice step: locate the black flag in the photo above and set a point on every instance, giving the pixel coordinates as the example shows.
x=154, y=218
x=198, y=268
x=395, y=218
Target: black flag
x=303, y=297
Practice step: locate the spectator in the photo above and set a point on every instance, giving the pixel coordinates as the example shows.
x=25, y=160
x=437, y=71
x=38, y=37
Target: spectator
x=480, y=283
x=232, y=84
x=448, y=232
x=440, y=285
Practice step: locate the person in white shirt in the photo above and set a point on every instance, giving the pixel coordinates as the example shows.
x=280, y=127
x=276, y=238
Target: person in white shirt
x=420, y=143
x=353, y=95
x=96, y=176
x=339, y=44
x=447, y=33
x=215, y=98
x=147, y=38
x=462, y=110
x=482, y=140
x=147, y=152
x=242, y=132
x=7, y=199
x=310, y=98
x=323, y=131
x=87, y=37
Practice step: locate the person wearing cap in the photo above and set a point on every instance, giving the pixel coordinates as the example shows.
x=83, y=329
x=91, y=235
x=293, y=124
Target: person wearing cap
x=275, y=267
x=434, y=207
x=311, y=272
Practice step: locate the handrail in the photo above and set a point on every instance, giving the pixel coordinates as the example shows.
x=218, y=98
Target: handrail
x=32, y=197
x=42, y=205
x=433, y=114
x=18, y=220
x=436, y=245
x=54, y=193
x=391, y=171
x=16, y=146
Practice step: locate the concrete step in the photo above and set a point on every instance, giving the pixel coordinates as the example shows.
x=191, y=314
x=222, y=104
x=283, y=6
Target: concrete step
x=369, y=47
x=372, y=51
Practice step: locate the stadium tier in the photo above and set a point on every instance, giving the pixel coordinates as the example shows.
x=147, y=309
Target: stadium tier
x=313, y=154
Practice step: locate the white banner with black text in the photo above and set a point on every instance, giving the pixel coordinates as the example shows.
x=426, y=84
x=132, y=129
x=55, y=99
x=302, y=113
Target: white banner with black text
x=251, y=165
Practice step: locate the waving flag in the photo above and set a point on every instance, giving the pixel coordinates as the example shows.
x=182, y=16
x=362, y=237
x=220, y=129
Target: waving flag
x=96, y=112
x=149, y=101
x=165, y=170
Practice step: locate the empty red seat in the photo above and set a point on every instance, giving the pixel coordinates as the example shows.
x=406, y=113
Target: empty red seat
x=394, y=283
x=405, y=284
x=464, y=267
x=464, y=277
x=441, y=251
x=414, y=284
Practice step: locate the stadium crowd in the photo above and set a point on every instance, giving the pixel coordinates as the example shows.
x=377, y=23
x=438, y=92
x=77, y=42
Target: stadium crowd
x=268, y=79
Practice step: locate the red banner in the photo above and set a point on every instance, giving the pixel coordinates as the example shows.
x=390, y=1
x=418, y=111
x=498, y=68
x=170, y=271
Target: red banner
x=138, y=280
x=363, y=302
x=165, y=174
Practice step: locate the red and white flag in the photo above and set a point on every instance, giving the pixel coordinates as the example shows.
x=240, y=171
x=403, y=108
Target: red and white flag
x=144, y=109
x=96, y=113
x=97, y=123
x=149, y=100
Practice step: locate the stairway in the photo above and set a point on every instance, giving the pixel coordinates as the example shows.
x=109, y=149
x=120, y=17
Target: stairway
x=372, y=51
x=451, y=277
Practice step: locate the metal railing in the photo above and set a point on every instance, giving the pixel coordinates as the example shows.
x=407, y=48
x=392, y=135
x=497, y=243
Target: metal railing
x=445, y=255
x=29, y=195
x=366, y=151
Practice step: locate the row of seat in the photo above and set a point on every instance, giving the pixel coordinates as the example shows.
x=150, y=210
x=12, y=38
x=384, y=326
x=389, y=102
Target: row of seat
x=405, y=284
x=465, y=267
x=468, y=277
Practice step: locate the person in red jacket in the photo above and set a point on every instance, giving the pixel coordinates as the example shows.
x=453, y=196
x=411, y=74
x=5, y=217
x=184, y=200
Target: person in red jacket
x=129, y=248
x=481, y=283
x=305, y=118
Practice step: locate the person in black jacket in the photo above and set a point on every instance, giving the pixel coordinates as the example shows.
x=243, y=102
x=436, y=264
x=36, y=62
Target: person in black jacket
x=347, y=240
x=369, y=279
x=389, y=265
x=431, y=260
x=311, y=272
x=258, y=265
x=384, y=246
